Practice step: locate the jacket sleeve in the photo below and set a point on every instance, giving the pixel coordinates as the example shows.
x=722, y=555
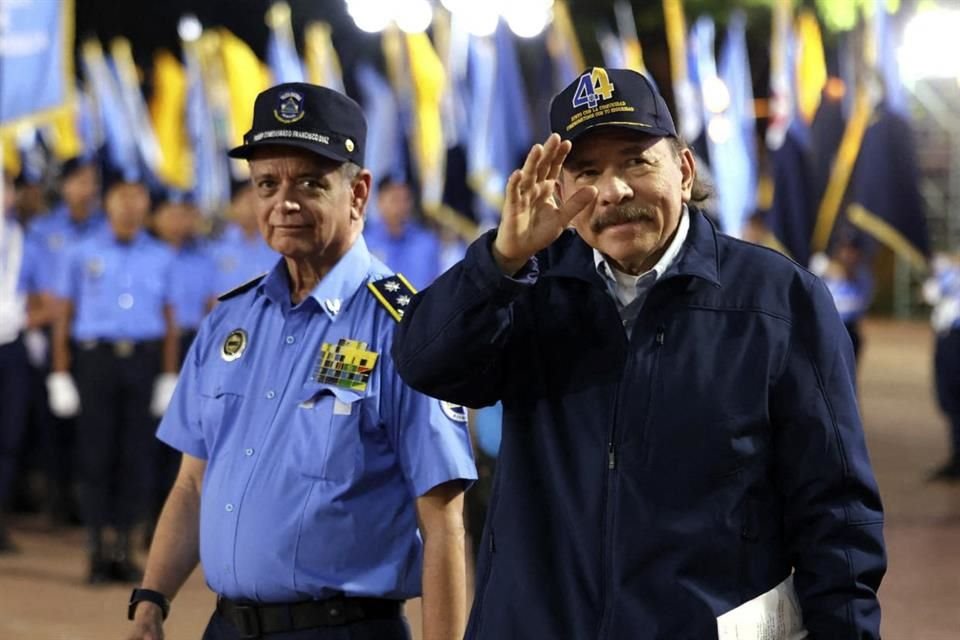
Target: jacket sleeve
x=833, y=518
x=455, y=339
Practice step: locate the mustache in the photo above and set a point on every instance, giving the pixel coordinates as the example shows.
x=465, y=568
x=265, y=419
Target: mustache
x=621, y=215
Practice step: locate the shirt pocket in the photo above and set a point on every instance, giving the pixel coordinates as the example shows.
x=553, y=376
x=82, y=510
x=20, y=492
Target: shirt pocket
x=221, y=396
x=329, y=420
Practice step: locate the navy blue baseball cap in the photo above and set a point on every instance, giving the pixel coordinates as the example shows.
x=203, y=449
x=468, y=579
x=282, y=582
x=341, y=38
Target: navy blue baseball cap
x=610, y=98
x=308, y=116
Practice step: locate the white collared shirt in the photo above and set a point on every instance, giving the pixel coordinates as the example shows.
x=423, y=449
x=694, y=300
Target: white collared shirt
x=629, y=291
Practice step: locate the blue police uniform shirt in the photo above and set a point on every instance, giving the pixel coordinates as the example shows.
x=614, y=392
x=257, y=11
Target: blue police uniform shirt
x=415, y=253
x=851, y=296
x=193, y=284
x=310, y=486
x=48, y=238
x=239, y=258
x=118, y=289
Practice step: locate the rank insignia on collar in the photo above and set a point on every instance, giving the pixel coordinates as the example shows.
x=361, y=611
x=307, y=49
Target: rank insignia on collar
x=394, y=293
x=234, y=346
x=347, y=364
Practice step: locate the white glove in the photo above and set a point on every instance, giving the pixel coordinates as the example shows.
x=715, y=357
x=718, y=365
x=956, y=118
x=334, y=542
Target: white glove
x=819, y=263
x=62, y=395
x=163, y=389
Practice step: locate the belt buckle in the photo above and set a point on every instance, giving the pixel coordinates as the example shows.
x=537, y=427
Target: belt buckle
x=336, y=610
x=123, y=348
x=247, y=621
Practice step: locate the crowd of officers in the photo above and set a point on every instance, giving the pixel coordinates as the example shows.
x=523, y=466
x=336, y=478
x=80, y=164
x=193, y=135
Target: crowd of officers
x=100, y=297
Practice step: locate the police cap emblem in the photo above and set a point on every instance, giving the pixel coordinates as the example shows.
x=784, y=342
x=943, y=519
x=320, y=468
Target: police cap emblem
x=234, y=345
x=290, y=107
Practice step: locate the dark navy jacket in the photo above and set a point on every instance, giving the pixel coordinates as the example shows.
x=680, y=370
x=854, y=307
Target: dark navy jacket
x=645, y=487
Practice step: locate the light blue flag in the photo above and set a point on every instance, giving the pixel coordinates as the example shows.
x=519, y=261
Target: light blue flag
x=735, y=164
x=385, y=144
x=35, y=58
x=499, y=120
x=282, y=58
x=212, y=186
x=119, y=134
x=894, y=94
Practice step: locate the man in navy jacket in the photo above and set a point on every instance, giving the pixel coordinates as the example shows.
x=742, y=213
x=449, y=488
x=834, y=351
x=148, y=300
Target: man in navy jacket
x=681, y=433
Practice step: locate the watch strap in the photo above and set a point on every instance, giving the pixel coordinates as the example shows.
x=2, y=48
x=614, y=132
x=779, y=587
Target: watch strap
x=148, y=595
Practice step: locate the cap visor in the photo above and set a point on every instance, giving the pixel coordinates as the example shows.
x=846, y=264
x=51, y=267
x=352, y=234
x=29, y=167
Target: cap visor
x=246, y=150
x=631, y=126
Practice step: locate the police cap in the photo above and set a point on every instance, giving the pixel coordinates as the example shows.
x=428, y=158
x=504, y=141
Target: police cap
x=307, y=116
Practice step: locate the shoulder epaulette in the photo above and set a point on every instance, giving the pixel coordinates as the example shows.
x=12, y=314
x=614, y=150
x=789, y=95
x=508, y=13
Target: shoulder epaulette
x=394, y=293
x=246, y=286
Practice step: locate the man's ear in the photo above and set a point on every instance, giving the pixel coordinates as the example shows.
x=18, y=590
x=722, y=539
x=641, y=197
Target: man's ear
x=688, y=169
x=360, y=194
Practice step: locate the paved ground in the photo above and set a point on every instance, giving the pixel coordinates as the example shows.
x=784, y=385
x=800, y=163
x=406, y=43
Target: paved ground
x=42, y=596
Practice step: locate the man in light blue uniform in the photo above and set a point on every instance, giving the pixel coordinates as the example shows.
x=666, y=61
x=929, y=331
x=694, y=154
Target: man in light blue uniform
x=398, y=240
x=115, y=332
x=47, y=239
x=176, y=221
x=307, y=463
x=240, y=252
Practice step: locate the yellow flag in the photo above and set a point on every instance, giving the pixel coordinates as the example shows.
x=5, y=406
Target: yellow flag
x=65, y=141
x=9, y=154
x=811, y=69
x=167, y=110
x=245, y=76
x=323, y=65
x=428, y=79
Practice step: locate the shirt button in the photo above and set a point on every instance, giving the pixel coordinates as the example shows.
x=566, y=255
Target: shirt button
x=229, y=507
x=290, y=339
x=270, y=394
x=248, y=452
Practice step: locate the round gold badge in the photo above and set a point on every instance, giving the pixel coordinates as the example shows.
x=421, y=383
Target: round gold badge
x=234, y=345
x=349, y=145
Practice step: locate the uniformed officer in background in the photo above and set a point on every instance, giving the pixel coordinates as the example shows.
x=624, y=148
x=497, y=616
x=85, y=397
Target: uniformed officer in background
x=177, y=222
x=307, y=463
x=115, y=332
x=942, y=292
x=398, y=239
x=48, y=236
x=240, y=252
x=14, y=370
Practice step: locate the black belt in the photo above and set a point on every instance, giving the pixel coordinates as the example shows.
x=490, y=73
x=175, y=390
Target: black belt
x=254, y=620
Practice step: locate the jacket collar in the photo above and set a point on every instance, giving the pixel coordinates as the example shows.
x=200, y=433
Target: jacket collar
x=571, y=257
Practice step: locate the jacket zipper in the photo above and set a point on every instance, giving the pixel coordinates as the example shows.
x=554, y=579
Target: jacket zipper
x=610, y=512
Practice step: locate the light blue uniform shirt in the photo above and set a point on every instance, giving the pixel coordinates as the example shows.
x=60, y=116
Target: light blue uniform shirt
x=118, y=290
x=48, y=238
x=239, y=258
x=310, y=487
x=852, y=297
x=415, y=253
x=193, y=282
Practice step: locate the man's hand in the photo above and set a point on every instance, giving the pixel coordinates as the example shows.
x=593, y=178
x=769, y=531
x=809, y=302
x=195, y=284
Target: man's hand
x=531, y=220
x=147, y=622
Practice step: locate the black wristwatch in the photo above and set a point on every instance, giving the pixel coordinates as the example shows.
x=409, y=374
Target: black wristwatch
x=148, y=595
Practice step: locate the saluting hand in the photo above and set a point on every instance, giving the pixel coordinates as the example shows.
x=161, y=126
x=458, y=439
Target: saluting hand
x=531, y=220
